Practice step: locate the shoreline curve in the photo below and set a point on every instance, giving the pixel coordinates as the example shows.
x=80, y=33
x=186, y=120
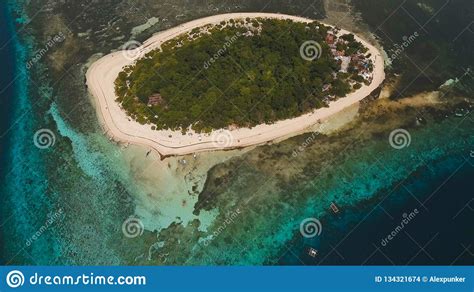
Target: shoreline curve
x=119, y=126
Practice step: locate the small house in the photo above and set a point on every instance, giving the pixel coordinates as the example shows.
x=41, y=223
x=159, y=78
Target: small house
x=155, y=99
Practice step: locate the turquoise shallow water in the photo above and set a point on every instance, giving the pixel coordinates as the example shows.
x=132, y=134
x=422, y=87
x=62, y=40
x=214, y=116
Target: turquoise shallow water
x=368, y=184
x=78, y=192
x=23, y=183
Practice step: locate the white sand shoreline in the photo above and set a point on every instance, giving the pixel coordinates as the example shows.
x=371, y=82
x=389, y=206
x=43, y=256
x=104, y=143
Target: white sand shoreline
x=102, y=74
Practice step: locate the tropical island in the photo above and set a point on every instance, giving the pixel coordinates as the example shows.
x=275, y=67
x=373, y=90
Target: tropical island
x=242, y=73
x=231, y=81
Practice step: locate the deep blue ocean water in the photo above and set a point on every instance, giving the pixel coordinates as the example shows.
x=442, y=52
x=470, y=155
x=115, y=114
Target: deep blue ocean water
x=23, y=193
x=7, y=76
x=440, y=233
x=7, y=91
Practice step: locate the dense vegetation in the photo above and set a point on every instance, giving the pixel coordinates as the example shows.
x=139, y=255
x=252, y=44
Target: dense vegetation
x=241, y=73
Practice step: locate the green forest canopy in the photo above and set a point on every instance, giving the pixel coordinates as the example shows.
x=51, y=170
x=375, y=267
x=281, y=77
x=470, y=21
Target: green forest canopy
x=241, y=73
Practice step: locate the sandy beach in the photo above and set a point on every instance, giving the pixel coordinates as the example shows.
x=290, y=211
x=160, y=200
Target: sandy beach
x=120, y=127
